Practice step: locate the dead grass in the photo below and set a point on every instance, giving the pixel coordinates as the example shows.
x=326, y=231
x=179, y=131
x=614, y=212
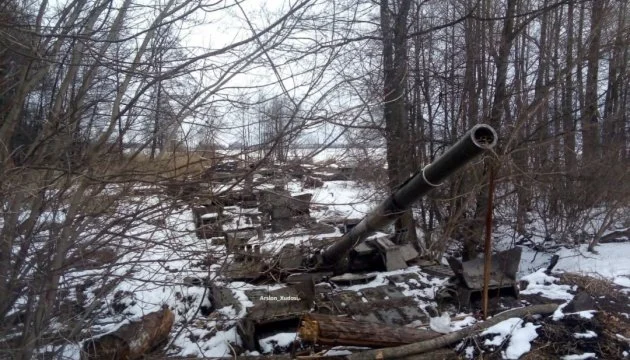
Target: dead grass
x=172, y=166
x=556, y=338
x=595, y=287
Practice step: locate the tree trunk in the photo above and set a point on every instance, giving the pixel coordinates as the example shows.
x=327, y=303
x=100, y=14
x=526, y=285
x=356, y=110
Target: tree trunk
x=394, y=31
x=590, y=121
x=334, y=330
x=568, y=126
x=133, y=340
x=496, y=114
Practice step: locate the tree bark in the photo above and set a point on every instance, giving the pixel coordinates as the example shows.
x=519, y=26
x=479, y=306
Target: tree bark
x=334, y=330
x=501, y=60
x=395, y=68
x=441, y=354
x=590, y=118
x=568, y=125
x=133, y=340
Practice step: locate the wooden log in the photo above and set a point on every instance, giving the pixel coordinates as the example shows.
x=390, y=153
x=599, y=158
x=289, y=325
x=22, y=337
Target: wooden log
x=334, y=330
x=131, y=341
x=440, y=354
x=405, y=351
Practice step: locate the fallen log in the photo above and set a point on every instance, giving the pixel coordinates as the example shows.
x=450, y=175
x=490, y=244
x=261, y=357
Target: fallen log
x=334, y=330
x=406, y=351
x=440, y=354
x=131, y=341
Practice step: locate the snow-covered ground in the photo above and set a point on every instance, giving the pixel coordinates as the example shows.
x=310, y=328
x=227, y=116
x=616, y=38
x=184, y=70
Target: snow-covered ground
x=158, y=273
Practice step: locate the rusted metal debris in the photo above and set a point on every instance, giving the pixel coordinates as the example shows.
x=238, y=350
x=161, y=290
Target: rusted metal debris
x=469, y=276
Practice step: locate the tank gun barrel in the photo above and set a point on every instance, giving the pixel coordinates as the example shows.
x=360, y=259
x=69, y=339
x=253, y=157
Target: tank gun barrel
x=477, y=140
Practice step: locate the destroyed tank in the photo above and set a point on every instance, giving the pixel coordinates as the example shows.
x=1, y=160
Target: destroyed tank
x=303, y=269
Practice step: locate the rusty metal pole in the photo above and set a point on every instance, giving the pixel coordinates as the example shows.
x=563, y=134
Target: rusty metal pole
x=488, y=241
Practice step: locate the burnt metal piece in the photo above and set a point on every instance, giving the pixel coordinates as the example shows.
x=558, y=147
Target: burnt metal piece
x=503, y=270
x=352, y=279
x=468, y=279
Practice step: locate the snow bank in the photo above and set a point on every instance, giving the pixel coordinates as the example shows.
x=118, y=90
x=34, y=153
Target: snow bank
x=611, y=262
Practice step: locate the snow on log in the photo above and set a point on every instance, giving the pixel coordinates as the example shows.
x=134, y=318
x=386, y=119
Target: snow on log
x=333, y=330
x=133, y=340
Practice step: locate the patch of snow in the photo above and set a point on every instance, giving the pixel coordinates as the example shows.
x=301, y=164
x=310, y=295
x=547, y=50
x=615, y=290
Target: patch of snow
x=295, y=188
x=559, y=314
x=441, y=324
x=545, y=285
x=219, y=345
x=334, y=352
x=381, y=279
x=585, y=335
x=65, y=351
x=238, y=290
x=586, y=314
x=622, y=280
x=465, y=322
x=520, y=342
x=584, y=356
x=503, y=329
x=520, y=336
x=273, y=242
x=610, y=263
x=343, y=199
x=282, y=340
x=469, y=352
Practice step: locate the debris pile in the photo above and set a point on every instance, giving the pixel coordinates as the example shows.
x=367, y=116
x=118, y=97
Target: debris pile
x=281, y=280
